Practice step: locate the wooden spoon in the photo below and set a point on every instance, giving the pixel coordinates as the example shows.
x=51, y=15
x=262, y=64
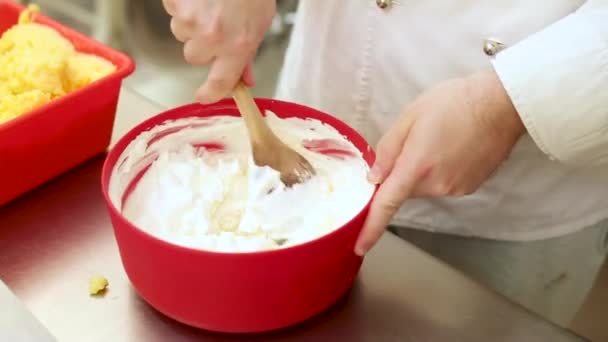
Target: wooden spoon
x=267, y=148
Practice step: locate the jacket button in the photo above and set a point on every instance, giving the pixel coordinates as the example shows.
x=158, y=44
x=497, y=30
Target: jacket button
x=492, y=46
x=384, y=4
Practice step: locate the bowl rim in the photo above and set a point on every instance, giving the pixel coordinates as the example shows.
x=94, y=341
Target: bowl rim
x=199, y=110
x=124, y=67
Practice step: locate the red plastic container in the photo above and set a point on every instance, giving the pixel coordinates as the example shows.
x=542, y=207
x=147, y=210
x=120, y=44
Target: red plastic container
x=48, y=141
x=238, y=292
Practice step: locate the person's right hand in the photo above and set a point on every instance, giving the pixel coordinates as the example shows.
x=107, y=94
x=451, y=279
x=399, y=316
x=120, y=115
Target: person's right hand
x=224, y=34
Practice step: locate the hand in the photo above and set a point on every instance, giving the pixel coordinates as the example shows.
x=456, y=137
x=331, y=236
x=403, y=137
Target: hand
x=446, y=143
x=224, y=34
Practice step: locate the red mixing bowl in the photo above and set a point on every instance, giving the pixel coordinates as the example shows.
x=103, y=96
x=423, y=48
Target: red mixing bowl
x=238, y=292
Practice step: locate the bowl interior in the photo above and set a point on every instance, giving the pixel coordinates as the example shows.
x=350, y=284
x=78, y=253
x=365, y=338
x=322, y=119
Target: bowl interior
x=227, y=107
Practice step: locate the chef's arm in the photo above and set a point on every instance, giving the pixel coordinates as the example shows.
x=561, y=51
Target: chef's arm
x=557, y=80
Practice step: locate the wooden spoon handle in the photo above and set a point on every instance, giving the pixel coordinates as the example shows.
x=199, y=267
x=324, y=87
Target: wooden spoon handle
x=256, y=125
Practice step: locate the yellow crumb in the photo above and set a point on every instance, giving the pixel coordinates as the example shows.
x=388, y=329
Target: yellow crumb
x=97, y=285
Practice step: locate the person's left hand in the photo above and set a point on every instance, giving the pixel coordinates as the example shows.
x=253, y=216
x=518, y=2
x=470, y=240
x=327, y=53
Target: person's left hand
x=447, y=142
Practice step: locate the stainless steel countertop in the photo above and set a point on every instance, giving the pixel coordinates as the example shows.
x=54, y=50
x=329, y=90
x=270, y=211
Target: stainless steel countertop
x=54, y=238
x=17, y=323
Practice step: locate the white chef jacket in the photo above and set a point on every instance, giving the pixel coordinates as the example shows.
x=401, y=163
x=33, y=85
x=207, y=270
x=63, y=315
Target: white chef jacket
x=364, y=63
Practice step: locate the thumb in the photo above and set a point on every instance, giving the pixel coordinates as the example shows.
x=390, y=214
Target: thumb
x=388, y=199
x=389, y=147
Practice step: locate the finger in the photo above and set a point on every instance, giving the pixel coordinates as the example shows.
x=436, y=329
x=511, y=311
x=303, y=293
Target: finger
x=197, y=53
x=170, y=7
x=181, y=31
x=391, y=194
x=185, y=11
x=389, y=147
x=224, y=74
x=248, y=76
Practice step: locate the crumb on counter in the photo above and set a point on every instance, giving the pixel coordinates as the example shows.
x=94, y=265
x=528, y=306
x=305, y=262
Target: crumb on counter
x=97, y=285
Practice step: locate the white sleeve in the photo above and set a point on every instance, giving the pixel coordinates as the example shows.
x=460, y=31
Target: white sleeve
x=558, y=81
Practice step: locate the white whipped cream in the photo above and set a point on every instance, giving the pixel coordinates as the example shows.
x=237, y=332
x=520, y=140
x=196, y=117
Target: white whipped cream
x=203, y=198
